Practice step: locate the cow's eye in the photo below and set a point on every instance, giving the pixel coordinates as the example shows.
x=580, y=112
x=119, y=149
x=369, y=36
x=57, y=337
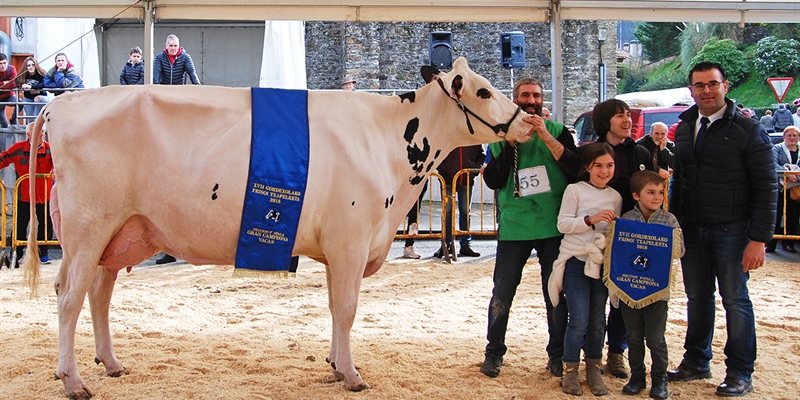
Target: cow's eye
x=484, y=93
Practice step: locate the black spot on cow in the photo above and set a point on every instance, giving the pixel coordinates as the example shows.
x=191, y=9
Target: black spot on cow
x=411, y=96
x=353, y=203
x=484, y=93
x=213, y=196
x=214, y=191
x=428, y=168
x=415, y=180
x=216, y=186
x=411, y=129
x=437, y=154
x=417, y=157
x=391, y=199
x=386, y=204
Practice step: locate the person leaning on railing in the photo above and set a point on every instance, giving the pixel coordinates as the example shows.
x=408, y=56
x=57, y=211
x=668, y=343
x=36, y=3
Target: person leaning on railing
x=19, y=154
x=8, y=74
x=31, y=82
x=62, y=75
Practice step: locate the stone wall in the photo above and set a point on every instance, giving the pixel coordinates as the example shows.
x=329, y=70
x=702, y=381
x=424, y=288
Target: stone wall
x=388, y=55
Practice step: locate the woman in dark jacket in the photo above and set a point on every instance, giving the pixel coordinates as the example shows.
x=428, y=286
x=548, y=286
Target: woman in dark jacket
x=31, y=82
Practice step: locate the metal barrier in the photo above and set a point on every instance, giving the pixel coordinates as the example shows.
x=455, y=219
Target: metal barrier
x=428, y=233
x=484, y=228
x=786, y=198
x=26, y=119
x=47, y=229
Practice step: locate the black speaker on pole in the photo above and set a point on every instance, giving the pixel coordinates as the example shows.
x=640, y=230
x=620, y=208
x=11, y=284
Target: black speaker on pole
x=441, y=49
x=512, y=50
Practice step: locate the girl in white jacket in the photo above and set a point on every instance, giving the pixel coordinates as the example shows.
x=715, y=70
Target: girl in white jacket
x=586, y=210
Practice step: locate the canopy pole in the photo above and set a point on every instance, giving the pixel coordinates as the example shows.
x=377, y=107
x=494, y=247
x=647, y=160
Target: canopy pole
x=149, y=10
x=556, y=70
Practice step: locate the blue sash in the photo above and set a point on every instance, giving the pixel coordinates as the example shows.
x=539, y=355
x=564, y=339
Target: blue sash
x=276, y=182
x=638, y=261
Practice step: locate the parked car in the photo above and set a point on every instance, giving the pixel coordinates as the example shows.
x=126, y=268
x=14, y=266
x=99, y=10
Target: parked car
x=642, y=118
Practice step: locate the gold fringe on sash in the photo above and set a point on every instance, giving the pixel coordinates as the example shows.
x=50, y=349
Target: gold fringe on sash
x=255, y=273
x=662, y=294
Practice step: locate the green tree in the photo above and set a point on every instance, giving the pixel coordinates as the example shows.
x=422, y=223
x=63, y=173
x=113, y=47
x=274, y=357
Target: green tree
x=697, y=34
x=784, y=31
x=777, y=57
x=659, y=39
x=724, y=53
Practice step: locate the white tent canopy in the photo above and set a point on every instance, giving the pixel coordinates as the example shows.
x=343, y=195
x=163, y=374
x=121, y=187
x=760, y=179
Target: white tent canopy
x=737, y=11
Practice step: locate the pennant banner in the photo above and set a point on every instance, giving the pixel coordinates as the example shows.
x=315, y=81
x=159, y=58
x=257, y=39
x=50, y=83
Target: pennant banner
x=276, y=182
x=639, y=260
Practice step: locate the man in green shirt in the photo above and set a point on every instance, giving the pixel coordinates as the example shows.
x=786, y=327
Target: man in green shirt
x=530, y=179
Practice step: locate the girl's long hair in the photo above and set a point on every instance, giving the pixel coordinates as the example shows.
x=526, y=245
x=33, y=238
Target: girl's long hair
x=590, y=153
x=23, y=75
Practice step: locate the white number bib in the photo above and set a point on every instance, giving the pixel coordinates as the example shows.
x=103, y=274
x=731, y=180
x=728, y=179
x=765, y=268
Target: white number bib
x=533, y=180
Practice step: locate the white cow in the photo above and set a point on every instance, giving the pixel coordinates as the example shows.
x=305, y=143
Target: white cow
x=136, y=167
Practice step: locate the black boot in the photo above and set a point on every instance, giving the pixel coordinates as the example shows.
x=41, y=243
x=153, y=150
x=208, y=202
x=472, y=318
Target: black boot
x=165, y=259
x=635, y=385
x=659, y=389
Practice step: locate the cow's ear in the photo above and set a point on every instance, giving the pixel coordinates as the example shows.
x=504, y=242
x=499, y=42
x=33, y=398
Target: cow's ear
x=429, y=72
x=458, y=84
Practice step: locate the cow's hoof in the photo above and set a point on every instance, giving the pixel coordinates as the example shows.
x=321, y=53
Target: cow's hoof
x=357, y=386
x=117, y=373
x=84, y=394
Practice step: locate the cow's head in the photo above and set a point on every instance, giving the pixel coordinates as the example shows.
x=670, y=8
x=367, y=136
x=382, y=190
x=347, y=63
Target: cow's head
x=488, y=114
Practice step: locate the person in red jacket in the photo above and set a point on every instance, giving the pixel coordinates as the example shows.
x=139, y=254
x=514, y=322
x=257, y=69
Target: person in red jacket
x=19, y=154
x=8, y=76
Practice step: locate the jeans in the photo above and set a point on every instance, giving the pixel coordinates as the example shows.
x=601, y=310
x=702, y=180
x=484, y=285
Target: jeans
x=413, y=213
x=3, y=118
x=23, y=210
x=714, y=256
x=463, y=214
x=586, y=301
x=792, y=216
x=511, y=258
x=32, y=110
x=648, y=323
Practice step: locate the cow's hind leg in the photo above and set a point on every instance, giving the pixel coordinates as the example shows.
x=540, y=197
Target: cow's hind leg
x=344, y=282
x=71, y=285
x=99, y=301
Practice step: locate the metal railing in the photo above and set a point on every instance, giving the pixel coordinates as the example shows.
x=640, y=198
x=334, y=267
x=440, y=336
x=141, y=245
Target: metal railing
x=47, y=229
x=19, y=104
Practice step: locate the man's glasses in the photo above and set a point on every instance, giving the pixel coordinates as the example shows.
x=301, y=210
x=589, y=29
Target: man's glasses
x=699, y=87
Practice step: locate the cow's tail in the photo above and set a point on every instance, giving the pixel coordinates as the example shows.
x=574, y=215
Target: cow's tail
x=31, y=263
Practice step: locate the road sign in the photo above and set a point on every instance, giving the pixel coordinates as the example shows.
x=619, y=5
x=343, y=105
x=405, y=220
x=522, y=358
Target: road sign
x=780, y=86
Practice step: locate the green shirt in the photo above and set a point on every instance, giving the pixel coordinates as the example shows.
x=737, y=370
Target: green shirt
x=534, y=216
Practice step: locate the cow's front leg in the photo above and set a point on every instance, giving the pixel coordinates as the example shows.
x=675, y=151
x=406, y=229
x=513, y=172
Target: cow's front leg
x=71, y=287
x=343, y=287
x=99, y=302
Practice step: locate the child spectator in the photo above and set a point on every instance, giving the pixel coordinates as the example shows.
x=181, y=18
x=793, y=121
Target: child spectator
x=587, y=208
x=133, y=71
x=649, y=322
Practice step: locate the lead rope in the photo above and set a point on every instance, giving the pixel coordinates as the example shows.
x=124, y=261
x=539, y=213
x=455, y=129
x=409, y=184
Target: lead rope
x=516, y=172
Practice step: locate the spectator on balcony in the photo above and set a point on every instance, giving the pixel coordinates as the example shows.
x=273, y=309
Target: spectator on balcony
x=133, y=71
x=8, y=75
x=172, y=65
x=62, y=76
x=31, y=81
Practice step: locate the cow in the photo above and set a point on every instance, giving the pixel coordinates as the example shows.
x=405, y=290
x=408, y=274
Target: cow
x=135, y=168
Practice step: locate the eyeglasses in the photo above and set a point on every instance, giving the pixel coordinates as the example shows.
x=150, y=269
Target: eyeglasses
x=699, y=87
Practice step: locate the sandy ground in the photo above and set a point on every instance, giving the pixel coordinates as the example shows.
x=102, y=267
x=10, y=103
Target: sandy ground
x=195, y=332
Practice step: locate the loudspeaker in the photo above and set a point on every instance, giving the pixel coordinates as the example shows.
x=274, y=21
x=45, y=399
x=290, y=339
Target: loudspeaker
x=512, y=50
x=441, y=49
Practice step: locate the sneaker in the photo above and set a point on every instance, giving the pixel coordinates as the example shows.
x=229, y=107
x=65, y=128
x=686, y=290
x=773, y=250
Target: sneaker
x=166, y=259
x=45, y=260
x=491, y=366
x=408, y=252
x=616, y=365
x=467, y=251
x=413, y=230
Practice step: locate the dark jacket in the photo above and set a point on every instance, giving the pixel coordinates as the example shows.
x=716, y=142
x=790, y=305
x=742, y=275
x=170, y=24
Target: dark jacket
x=782, y=118
x=37, y=84
x=166, y=73
x=132, y=74
x=664, y=156
x=458, y=159
x=731, y=178
x=639, y=158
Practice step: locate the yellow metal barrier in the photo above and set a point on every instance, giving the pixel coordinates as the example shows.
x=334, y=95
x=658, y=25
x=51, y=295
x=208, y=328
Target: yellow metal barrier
x=47, y=229
x=786, y=198
x=426, y=231
x=483, y=227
